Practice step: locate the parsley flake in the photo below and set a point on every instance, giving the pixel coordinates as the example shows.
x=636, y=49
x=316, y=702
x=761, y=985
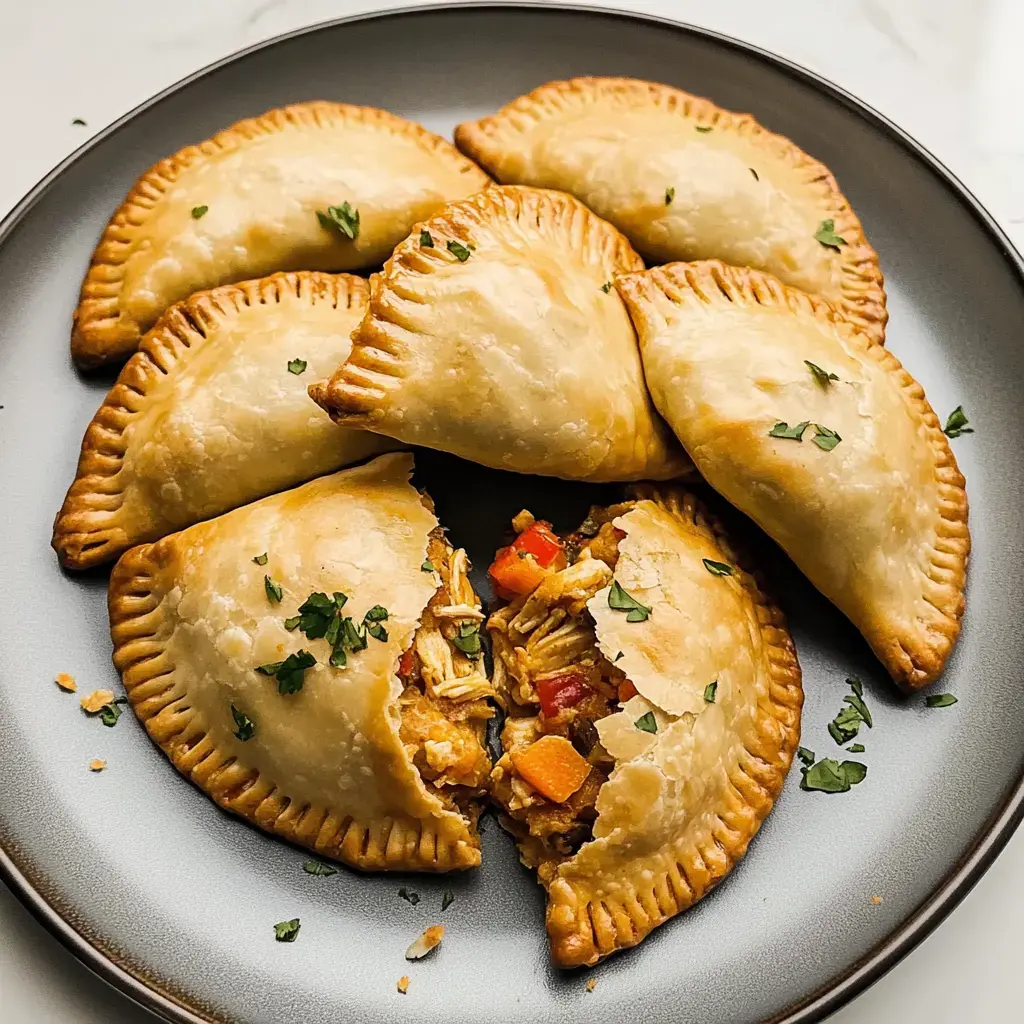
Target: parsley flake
x=823, y=377
x=717, y=568
x=855, y=748
x=286, y=931
x=824, y=437
x=784, y=430
x=290, y=673
x=297, y=366
x=845, y=726
x=409, y=896
x=273, y=589
x=78, y=121
x=110, y=713
x=448, y=900
x=261, y=559
x=939, y=700
x=198, y=211
x=620, y=601
x=468, y=639
x=647, y=723
x=428, y=566
x=805, y=755
x=459, y=251
x=829, y=776
x=826, y=235
x=344, y=218
x=754, y=173
x=619, y=655
x=318, y=867
x=426, y=239
x=709, y=692
x=703, y=128
x=244, y=728
x=670, y=194
x=606, y=287
x=956, y=424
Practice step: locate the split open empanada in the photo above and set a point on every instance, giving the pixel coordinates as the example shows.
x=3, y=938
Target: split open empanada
x=309, y=662
x=819, y=435
x=494, y=333
x=212, y=413
x=686, y=180
x=315, y=186
x=654, y=698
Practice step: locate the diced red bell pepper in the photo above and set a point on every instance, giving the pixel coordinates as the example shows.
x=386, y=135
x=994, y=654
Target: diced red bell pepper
x=514, y=575
x=626, y=690
x=559, y=692
x=407, y=663
x=540, y=541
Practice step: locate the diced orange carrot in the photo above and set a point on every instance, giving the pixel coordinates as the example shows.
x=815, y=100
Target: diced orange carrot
x=553, y=767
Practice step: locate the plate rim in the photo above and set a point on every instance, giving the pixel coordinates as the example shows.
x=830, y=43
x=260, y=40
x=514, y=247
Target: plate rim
x=990, y=840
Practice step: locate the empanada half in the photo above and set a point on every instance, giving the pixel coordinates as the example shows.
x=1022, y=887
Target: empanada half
x=358, y=757
x=494, y=333
x=212, y=413
x=245, y=203
x=655, y=710
x=858, y=483
x=684, y=179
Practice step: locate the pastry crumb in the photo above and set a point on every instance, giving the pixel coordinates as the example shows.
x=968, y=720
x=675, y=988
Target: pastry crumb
x=97, y=765
x=523, y=521
x=94, y=702
x=403, y=984
x=876, y=900
x=66, y=682
x=591, y=984
x=426, y=942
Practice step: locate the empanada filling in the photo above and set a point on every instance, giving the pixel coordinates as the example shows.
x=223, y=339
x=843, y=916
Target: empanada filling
x=444, y=705
x=557, y=683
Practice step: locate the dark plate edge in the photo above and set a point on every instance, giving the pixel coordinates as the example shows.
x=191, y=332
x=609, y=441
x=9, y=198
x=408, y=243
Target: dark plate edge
x=944, y=898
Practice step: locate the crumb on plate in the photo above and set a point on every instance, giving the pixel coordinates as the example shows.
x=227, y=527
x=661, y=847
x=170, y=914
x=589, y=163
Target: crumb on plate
x=95, y=702
x=97, y=765
x=876, y=900
x=403, y=984
x=429, y=940
x=591, y=984
x=66, y=682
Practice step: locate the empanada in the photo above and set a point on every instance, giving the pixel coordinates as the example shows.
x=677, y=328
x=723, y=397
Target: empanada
x=212, y=413
x=314, y=186
x=654, y=698
x=494, y=333
x=686, y=180
x=270, y=653
x=819, y=435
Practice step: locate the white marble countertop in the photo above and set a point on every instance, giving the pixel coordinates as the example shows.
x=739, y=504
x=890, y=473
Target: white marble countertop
x=947, y=71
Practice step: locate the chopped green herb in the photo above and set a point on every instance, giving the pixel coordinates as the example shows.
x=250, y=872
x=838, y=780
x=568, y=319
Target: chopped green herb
x=783, y=429
x=703, y=128
x=427, y=566
x=619, y=655
x=939, y=700
x=826, y=234
x=448, y=900
x=460, y=251
x=754, y=173
x=805, y=755
x=290, y=673
x=620, y=601
x=647, y=723
x=375, y=629
x=857, y=700
x=709, y=692
x=243, y=724
x=426, y=239
x=855, y=748
x=342, y=218
x=823, y=377
x=378, y=613
x=670, y=194
x=297, y=366
x=110, y=713
x=77, y=120
x=198, y=211
x=956, y=424
x=829, y=776
x=717, y=568
x=825, y=438
x=316, y=614
x=606, y=287
x=273, y=589
x=468, y=639
x=286, y=931
x=409, y=896
x=318, y=867
x=261, y=559
x=845, y=726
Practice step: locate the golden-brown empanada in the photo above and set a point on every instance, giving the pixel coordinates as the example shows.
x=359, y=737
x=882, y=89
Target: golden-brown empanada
x=494, y=333
x=212, y=413
x=819, y=435
x=249, y=202
x=291, y=690
x=685, y=180
x=654, y=698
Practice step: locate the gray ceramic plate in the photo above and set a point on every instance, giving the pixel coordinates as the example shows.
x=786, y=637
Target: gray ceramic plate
x=173, y=901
